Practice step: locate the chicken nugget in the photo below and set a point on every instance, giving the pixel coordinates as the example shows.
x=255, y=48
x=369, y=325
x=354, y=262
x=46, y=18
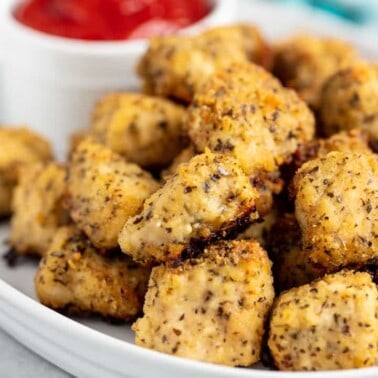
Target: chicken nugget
x=336, y=205
x=350, y=100
x=212, y=308
x=329, y=324
x=18, y=146
x=145, y=130
x=104, y=191
x=74, y=278
x=354, y=140
x=38, y=207
x=305, y=62
x=208, y=198
x=176, y=66
x=244, y=111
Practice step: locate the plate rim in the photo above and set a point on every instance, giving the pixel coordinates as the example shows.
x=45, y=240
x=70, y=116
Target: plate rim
x=11, y=298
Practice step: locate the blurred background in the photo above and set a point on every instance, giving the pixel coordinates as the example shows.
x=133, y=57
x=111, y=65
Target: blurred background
x=364, y=12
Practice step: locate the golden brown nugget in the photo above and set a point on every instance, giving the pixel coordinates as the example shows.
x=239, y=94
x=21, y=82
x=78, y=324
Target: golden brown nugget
x=267, y=185
x=212, y=308
x=176, y=66
x=208, y=198
x=354, y=140
x=350, y=100
x=305, y=62
x=244, y=111
x=290, y=261
x=38, y=207
x=73, y=277
x=345, y=141
x=18, y=146
x=145, y=130
x=104, y=191
x=336, y=206
x=329, y=324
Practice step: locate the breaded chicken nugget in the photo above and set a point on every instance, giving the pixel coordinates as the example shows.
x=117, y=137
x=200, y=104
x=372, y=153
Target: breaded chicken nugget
x=290, y=261
x=305, y=62
x=267, y=184
x=329, y=324
x=212, y=308
x=38, y=207
x=355, y=141
x=145, y=130
x=73, y=277
x=104, y=191
x=336, y=206
x=350, y=100
x=345, y=141
x=176, y=66
x=18, y=146
x=208, y=198
x=244, y=111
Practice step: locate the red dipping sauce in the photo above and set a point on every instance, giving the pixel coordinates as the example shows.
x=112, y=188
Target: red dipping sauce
x=110, y=20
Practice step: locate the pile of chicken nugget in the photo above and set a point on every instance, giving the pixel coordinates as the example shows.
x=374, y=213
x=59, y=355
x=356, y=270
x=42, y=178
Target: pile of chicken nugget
x=229, y=208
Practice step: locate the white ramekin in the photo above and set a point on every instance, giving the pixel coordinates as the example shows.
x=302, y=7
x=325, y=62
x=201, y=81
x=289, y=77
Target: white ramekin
x=51, y=83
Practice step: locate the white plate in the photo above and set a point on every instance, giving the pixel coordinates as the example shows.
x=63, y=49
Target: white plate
x=92, y=348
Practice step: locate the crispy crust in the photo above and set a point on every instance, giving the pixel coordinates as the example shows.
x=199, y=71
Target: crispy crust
x=243, y=111
x=104, y=191
x=74, y=278
x=18, y=146
x=329, y=324
x=305, y=62
x=145, y=130
x=337, y=209
x=222, y=319
x=38, y=207
x=177, y=66
x=350, y=100
x=209, y=198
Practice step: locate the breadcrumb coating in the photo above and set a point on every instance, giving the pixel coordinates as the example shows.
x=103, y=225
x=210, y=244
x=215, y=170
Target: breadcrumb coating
x=244, y=111
x=305, y=62
x=350, y=100
x=145, y=130
x=267, y=184
x=176, y=66
x=355, y=141
x=329, y=324
x=336, y=206
x=38, y=207
x=73, y=277
x=104, y=191
x=212, y=308
x=18, y=146
x=208, y=198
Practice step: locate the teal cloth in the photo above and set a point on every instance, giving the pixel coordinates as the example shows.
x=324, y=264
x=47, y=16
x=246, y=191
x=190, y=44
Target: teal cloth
x=359, y=11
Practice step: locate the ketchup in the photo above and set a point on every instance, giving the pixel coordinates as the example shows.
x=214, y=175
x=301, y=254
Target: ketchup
x=109, y=20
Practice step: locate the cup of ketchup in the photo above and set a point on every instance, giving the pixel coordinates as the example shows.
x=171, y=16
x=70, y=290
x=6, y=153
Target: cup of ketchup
x=58, y=57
